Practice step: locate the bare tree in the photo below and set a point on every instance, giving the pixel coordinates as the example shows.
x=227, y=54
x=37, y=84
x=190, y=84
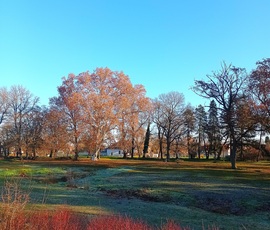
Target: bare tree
x=168, y=116
x=227, y=87
x=33, y=125
x=21, y=103
x=4, y=105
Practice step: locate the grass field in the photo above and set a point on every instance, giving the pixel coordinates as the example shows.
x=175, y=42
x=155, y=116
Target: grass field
x=196, y=194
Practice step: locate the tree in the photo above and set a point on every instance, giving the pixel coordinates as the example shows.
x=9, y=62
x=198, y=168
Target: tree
x=4, y=104
x=98, y=102
x=54, y=133
x=227, y=87
x=168, y=117
x=146, y=140
x=259, y=85
x=140, y=115
x=21, y=103
x=157, y=119
x=213, y=131
x=68, y=102
x=201, y=119
x=189, y=125
x=246, y=125
x=33, y=126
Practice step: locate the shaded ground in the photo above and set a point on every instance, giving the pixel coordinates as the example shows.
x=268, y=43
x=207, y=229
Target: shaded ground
x=191, y=193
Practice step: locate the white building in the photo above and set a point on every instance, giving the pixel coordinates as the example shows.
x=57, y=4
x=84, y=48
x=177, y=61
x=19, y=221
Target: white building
x=112, y=153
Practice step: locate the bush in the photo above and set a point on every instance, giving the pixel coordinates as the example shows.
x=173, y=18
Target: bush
x=61, y=219
x=13, y=205
x=116, y=222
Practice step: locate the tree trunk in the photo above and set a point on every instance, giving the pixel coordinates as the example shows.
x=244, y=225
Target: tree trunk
x=76, y=153
x=132, y=147
x=146, y=140
x=124, y=154
x=160, y=138
x=168, y=149
x=233, y=154
x=260, y=146
x=199, y=147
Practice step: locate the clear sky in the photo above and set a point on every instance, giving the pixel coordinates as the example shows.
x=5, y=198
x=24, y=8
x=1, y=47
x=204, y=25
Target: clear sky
x=162, y=44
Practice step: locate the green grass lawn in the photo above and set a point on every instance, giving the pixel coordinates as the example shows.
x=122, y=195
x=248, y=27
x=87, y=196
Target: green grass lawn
x=193, y=194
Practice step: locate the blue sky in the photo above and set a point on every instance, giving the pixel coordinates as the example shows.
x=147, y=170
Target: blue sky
x=162, y=44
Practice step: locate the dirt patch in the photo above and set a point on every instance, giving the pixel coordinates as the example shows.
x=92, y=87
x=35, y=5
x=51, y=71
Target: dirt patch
x=138, y=194
x=232, y=202
x=221, y=205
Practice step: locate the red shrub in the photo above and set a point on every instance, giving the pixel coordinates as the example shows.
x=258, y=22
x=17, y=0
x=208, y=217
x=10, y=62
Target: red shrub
x=61, y=219
x=171, y=225
x=116, y=223
x=65, y=219
x=39, y=220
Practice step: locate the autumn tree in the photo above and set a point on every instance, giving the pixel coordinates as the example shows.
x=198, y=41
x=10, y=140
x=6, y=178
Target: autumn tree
x=100, y=106
x=227, y=87
x=246, y=124
x=98, y=103
x=168, y=117
x=259, y=85
x=54, y=133
x=68, y=103
x=138, y=116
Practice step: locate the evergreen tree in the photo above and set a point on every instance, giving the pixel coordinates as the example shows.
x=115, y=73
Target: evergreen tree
x=213, y=131
x=201, y=119
x=146, y=140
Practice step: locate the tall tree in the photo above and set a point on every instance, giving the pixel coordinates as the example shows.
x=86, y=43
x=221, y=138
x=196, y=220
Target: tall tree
x=136, y=115
x=227, y=88
x=111, y=104
x=213, y=131
x=168, y=117
x=33, y=126
x=21, y=103
x=259, y=85
x=201, y=120
x=4, y=103
x=189, y=126
x=68, y=103
x=246, y=124
x=146, y=140
x=55, y=133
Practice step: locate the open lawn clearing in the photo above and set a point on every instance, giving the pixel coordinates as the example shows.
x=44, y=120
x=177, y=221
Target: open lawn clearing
x=190, y=193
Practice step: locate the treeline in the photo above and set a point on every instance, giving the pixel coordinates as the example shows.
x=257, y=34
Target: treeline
x=103, y=109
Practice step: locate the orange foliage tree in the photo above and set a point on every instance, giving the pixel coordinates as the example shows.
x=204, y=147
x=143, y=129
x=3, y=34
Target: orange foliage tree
x=259, y=85
x=101, y=108
x=68, y=103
